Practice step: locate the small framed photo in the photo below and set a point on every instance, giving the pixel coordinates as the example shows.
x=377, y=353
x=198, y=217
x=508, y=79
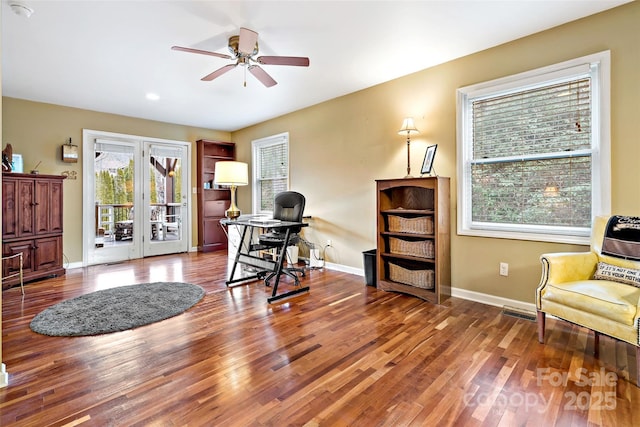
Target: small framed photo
x=427, y=164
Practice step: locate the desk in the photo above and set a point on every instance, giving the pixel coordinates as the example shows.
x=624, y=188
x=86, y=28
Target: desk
x=248, y=223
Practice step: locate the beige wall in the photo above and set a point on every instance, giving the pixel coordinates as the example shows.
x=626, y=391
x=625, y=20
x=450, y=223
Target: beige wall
x=37, y=131
x=340, y=147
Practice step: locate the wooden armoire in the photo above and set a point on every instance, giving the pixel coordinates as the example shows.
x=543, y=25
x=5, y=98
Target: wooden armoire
x=32, y=224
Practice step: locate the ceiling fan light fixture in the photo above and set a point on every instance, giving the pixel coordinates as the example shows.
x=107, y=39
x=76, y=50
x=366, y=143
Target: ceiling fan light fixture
x=21, y=9
x=243, y=48
x=234, y=47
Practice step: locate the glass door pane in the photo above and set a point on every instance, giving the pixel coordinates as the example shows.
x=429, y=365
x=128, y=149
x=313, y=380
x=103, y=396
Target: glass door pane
x=166, y=199
x=114, y=199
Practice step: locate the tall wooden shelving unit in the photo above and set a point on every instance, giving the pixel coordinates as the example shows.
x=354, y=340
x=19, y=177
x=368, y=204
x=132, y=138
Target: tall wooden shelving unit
x=212, y=202
x=413, y=233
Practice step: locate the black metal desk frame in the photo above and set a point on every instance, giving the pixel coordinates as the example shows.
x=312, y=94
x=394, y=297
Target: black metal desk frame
x=266, y=266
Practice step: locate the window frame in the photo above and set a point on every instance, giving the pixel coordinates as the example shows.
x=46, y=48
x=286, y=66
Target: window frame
x=256, y=146
x=599, y=67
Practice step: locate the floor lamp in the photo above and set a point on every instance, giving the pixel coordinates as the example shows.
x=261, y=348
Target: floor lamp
x=232, y=174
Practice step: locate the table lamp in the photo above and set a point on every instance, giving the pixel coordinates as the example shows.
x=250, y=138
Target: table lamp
x=408, y=128
x=232, y=174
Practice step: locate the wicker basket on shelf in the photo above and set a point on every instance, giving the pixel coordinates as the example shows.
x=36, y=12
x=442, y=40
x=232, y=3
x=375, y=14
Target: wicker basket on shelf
x=424, y=279
x=418, y=225
x=421, y=248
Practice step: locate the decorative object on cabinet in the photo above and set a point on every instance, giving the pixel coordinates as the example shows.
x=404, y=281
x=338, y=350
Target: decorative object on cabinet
x=69, y=152
x=409, y=128
x=232, y=174
x=32, y=225
x=7, y=158
x=413, y=235
x=17, y=165
x=429, y=156
x=212, y=201
x=35, y=170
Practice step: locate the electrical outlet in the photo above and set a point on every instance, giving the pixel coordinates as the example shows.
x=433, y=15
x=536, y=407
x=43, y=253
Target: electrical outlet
x=504, y=269
x=329, y=242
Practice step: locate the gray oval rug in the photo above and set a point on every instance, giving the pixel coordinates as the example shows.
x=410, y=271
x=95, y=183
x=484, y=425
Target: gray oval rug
x=116, y=309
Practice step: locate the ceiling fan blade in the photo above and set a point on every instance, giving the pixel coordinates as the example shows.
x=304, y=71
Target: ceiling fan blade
x=217, y=73
x=262, y=75
x=298, y=61
x=248, y=39
x=201, y=52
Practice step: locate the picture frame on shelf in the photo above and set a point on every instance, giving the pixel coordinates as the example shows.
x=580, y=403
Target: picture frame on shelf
x=429, y=156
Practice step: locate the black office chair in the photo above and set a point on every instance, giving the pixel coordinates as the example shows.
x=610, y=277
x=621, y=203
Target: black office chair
x=288, y=206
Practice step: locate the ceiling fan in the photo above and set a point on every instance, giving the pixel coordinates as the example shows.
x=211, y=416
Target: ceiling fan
x=244, y=48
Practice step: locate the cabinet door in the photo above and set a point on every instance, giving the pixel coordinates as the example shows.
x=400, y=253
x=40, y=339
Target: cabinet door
x=48, y=253
x=25, y=204
x=55, y=206
x=55, y=211
x=48, y=206
x=10, y=205
x=213, y=235
x=12, y=266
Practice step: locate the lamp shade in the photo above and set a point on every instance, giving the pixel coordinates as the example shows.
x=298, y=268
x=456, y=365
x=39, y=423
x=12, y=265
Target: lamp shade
x=408, y=127
x=231, y=173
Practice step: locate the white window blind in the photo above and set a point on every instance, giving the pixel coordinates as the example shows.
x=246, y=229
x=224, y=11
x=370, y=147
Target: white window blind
x=271, y=160
x=532, y=156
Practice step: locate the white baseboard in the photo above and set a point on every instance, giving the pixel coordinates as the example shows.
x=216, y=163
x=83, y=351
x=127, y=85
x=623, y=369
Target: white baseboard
x=344, y=268
x=74, y=265
x=492, y=299
x=455, y=292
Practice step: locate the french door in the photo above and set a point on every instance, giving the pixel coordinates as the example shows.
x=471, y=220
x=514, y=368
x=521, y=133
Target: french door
x=136, y=197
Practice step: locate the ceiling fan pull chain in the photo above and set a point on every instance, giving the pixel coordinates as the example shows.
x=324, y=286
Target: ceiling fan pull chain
x=245, y=76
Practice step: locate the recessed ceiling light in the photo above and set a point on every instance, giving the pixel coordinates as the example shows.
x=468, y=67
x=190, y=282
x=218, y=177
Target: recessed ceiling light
x=153, y=96
x=21, y=9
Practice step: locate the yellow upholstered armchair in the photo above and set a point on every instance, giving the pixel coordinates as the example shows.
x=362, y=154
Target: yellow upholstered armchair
x=594, y=290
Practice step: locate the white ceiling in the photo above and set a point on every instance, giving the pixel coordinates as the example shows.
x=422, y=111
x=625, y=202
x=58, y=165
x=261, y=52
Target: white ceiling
x=107, y=55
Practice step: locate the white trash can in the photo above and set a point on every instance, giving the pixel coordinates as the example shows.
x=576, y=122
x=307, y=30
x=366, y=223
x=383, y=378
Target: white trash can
x=314, y=258
x=292, y=254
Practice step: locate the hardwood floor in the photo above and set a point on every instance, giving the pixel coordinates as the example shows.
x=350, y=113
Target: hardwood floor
x=345, y=355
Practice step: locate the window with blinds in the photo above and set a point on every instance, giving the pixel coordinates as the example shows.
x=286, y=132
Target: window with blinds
x=531, y=153
x=271, y=170
x=532, y=156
